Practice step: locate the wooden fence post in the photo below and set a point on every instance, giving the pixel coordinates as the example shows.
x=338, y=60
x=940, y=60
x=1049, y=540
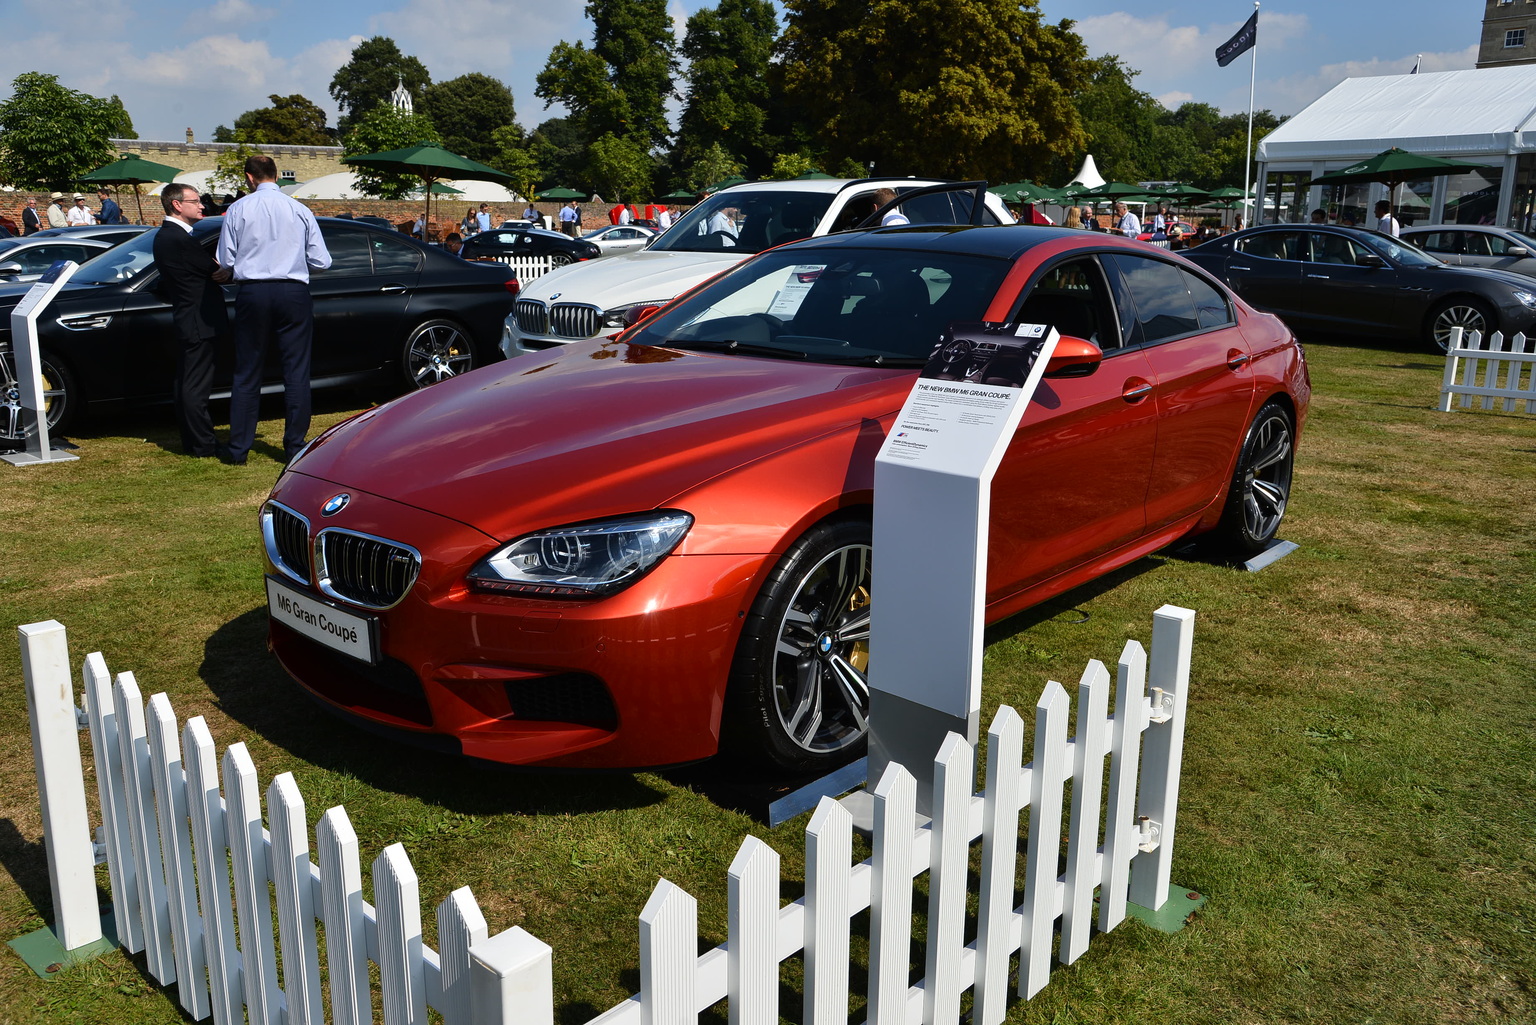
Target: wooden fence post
x=1173, y=634
x=512, y=980
x=60, y=782
x=669, y=943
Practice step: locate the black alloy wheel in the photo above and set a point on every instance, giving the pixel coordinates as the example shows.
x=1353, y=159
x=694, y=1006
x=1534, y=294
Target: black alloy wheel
x=1261, y=487
x=1466, y=313
x=59, y=392
x=436, y=351
x=799, y=692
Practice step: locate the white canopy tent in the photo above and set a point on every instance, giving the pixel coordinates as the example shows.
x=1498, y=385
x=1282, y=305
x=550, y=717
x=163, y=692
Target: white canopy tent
x=344, y=185
x=202, y=181
x=1478, y=116
x=1089, y=174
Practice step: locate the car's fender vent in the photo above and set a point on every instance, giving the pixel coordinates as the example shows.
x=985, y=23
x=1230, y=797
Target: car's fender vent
x=568, y=697
x=365, y=570
x=574, y=320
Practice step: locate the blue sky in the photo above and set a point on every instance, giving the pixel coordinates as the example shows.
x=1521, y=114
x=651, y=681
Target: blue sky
x=180, y=64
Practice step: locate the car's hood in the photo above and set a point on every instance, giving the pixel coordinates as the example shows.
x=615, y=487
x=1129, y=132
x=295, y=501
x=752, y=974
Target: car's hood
x=591, y=430
x=647, y=276
x=1508, y=277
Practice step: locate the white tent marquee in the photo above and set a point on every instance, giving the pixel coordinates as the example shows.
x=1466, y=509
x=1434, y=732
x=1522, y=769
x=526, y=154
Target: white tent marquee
x=344, y=185
x=1478, y=116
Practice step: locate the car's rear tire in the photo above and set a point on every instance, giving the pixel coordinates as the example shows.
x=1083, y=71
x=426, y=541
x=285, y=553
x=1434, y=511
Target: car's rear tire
x=1459, y=311
x=61, y=397
x=798, y=697
x=1261, y=485
x=436, y=351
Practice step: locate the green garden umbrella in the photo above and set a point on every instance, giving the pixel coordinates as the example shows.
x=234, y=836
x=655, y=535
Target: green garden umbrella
x=132, y=169
x=1112, y=190
x=724, y=183
x=1229, y=196
x=559, y=192
x=811, y=175
x=680, y=196
x=429, y=163
x=1391, y=168
x=1025, y=192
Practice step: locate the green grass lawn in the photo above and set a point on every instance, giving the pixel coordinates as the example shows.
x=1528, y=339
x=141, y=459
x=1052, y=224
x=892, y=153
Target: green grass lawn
x=1358, y=765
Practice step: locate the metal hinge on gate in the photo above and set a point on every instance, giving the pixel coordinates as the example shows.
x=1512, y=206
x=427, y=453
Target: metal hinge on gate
x=1148, y=834
x=82, y=720
x=99, y=848
x=1162, y=706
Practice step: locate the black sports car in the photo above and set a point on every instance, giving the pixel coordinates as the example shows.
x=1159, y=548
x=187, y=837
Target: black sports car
x=503, y=242
x=1346, y=279
x=388, y=306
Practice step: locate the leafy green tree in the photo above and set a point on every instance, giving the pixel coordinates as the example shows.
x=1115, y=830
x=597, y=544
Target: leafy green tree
x=713, y=165
x=1120, y=123
x=621, y=170
x=386, y=127
x=728, y=49
x=961, y=88
x=517, y=158
x=620, y=85
x=290, y=121
x=229, y=166
x=468, y=110
x=559, y=146
x=50, y=134
x=376, y=69
x=791, y=165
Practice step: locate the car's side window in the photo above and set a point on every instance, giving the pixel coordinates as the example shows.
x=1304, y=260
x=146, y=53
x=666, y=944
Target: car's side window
x=391, y=257
x=1481, y=244
x=1074, y=298
x=349, y=254
x=1271, y=245
x=1164, y=306
x=1438, y=241
x=1211, y=307
x=1335, y=249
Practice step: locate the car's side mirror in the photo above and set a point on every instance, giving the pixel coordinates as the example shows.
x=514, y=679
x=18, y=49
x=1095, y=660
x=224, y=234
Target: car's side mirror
x=10, y=270
x=1074, y=357
x=1370, y=260
x=1517, y=251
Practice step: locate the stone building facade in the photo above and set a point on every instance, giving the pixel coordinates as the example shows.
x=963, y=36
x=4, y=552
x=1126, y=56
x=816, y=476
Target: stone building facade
x=294, y=163
x=1509, y=33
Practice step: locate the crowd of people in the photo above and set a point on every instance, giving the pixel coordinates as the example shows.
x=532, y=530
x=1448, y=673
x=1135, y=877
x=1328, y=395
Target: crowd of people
x=72, y=212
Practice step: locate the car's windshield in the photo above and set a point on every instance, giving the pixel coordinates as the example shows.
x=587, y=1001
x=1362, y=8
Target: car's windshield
x=745, y=222
x=1402, y=252
x=833, y=305
x=120, y=263
x=1520, y=238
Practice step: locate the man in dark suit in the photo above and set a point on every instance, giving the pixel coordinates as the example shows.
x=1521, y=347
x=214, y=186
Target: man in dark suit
x=31, y=220
x=189, y=280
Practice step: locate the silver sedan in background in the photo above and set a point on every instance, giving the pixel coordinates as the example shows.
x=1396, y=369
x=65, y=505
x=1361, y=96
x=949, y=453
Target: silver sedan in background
x=620, y=238
x=1477, y=245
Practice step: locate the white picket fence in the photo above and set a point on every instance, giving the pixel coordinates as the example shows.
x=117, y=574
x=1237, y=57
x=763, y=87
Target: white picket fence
x=188, y=858
x=526, y=267
x=1500, y=373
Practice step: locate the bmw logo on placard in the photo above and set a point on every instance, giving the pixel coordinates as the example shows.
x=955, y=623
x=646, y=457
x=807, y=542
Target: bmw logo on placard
x=335, y=504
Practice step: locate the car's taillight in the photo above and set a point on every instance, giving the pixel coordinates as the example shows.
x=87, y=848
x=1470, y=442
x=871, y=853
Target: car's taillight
x=513, y=285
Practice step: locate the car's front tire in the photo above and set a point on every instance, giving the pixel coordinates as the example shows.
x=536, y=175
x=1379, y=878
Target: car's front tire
x=436, y=351
x=798, y=697
x=61, y=396
x=1261, y=486
x=1466, y=313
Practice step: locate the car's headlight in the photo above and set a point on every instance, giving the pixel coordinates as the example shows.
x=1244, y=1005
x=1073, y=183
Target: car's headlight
x=619, y=316
x=586, y=560
x=1526, y=299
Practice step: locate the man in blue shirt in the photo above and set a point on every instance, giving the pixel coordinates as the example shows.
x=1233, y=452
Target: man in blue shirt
x=271, y=241
x=111, y=213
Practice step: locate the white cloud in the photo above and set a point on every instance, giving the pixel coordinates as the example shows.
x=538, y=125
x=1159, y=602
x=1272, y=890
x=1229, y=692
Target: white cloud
x=1294, y=92
x=679, y=15
x=1173, y=99
x=238, y=12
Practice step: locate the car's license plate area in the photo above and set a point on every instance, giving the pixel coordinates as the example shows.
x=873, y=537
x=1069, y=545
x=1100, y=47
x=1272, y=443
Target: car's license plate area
x=347, y=632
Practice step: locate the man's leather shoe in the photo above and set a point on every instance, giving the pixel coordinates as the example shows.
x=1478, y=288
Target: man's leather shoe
x=227, y=458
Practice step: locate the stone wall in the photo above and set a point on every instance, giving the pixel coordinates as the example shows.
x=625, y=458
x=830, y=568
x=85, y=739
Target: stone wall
x=305, y=162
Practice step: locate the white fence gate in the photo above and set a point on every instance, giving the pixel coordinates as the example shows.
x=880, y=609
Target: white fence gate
x=1500, y=372
x=188, y=857
x=526, y=267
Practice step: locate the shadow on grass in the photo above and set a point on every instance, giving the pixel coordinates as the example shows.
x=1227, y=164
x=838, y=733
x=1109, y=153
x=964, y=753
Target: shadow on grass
x=252, y=688
x=1072, y=603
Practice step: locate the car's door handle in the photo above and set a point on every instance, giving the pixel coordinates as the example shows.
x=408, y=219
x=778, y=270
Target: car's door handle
x=392, y=289
x=1236, y=267
x=1136, y=389
x=1237, y=359
x=1323, y=276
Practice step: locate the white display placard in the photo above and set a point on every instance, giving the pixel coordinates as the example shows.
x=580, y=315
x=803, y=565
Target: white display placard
x=933, y=480
x=29, y=365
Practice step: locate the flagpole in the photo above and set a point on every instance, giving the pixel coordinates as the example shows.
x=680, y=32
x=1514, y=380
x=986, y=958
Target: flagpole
x=1253, y=74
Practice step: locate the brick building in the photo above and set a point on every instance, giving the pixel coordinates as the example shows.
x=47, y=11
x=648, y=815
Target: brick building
x=294, y=163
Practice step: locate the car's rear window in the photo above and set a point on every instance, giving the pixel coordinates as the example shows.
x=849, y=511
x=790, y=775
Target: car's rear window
x=834, y=304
